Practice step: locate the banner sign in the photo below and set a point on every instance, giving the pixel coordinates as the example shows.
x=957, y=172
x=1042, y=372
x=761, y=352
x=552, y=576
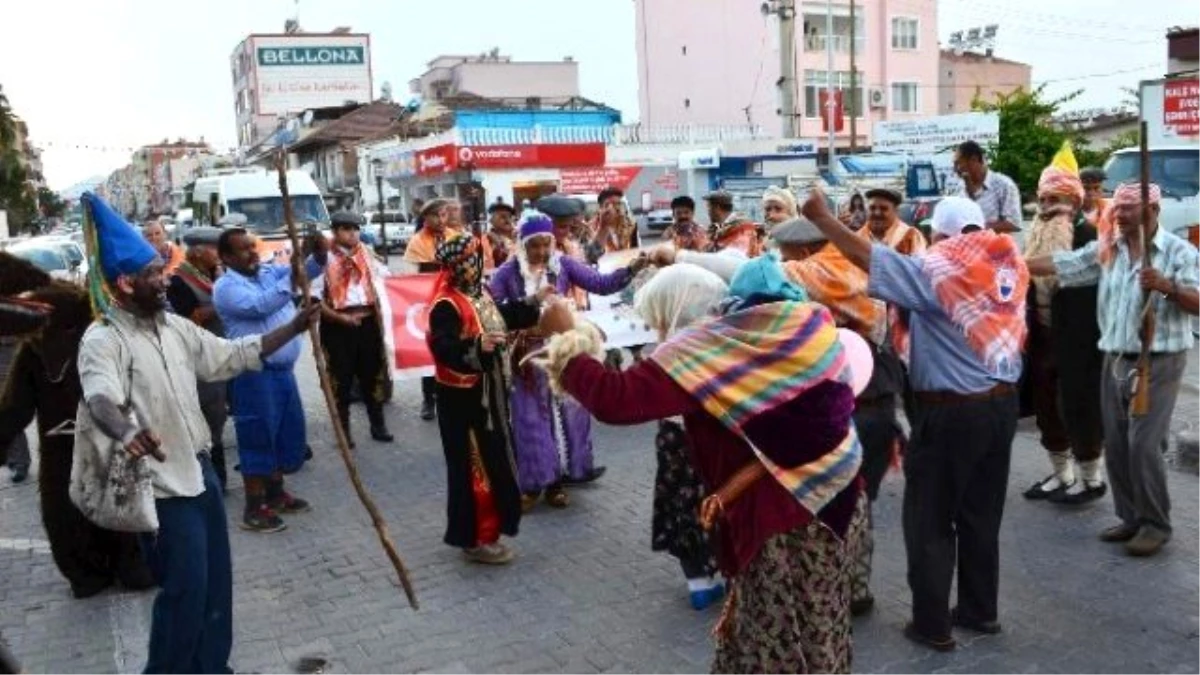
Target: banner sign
x=592, y=181
x=1181, y=107
x=614, y=314
x=446, y=158
x=300, y=72
x=934, y=134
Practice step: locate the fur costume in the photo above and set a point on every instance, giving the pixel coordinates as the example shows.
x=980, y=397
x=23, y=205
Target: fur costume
x=43, y=381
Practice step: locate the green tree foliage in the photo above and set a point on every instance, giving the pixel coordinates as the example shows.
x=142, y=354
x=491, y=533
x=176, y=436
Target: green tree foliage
x=1028, y=137
x=15, y=196
x=50, y=204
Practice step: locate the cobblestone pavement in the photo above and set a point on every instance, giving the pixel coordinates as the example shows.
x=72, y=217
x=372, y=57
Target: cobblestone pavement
x=586, y=593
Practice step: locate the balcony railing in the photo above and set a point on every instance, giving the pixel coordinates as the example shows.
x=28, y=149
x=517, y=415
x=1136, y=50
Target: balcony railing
x=687, y=134
x=841, y=43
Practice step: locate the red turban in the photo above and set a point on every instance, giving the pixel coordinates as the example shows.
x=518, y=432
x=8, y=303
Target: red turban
x=1057, y=181
x=1130, y=194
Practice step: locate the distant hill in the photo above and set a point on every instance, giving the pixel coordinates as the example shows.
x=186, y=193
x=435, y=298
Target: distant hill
x=75, y=191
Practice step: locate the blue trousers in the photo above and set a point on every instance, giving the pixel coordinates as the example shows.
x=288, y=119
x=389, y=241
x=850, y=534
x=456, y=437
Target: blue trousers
x=269, y=420
x=191, y=628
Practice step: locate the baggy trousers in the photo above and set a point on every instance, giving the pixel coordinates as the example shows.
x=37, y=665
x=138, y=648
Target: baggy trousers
x=956, y=475
x=191, y=628
x=1136, y=469
x=356, y=353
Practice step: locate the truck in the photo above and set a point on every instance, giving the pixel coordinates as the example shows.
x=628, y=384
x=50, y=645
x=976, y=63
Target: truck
x=1171, y=109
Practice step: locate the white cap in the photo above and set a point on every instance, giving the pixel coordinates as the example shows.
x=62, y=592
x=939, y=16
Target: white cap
x=952, y=214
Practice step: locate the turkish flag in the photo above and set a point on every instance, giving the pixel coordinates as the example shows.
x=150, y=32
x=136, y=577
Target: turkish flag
x=839, y=120
x=407, y=320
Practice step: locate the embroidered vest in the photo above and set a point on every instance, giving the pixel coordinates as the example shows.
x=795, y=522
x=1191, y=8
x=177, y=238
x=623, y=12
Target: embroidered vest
x=477, y=316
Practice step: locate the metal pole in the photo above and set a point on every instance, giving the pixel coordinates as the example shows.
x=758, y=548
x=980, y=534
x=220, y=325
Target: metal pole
x=855, y=99
x=830, y=103
x=787, y=66
x=382, y=215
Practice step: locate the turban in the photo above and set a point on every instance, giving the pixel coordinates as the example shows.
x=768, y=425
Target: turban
x=462, y=263
x=1130, y=194
x=1056, y=181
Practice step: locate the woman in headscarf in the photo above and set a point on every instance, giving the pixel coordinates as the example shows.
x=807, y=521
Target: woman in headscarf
x=467, y=337
x=853, y=212
x=553, y=435
x=675, y=525
x=765, y=399
x=779, y=205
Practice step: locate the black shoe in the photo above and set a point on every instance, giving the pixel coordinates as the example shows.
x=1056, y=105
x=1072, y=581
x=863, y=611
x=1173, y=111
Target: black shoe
x=381, y=434
x=977, y=625
x=862, y=606
x=591, y=476
x=1036, y=492
x=428, y=409
x=1089, y=493
x=307, y=452
x=89, y=587
x=19, y=473
x=940, y=644
x=138, y=578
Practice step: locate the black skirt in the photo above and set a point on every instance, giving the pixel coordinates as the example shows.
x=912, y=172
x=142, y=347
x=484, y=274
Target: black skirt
x=677, y=495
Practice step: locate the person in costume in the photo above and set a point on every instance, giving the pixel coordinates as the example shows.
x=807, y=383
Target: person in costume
x=612, y=229
x=43, y=381
x=1094, y=203
x=553, y=435
x=171, y=254
x=685, y=232
x=254, y=299
x=502, y=234
x=422, y=252
x=728, y=230
x=152, y=410
x=1136, y=469
x=467, y=340
x=1064, y=362
x=351, y=328
x=962, y=334
x=190, y=293
x=765, y=398
x=675, y=523
x=566, y=214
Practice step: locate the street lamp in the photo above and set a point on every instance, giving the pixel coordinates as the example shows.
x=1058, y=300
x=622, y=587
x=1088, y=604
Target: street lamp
x=377, y=167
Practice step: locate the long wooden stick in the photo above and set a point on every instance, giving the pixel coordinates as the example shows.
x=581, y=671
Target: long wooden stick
x=301, y=276
x=1140, y=403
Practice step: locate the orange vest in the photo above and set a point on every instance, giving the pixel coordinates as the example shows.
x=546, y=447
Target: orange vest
x=471, y=329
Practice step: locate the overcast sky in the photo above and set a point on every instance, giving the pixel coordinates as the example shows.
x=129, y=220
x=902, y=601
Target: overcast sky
x=95, y=79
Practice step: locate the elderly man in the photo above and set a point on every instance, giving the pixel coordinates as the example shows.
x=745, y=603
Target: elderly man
x=1136, y=469
x=884, y=225
x=191, y=628
x=1064, y=362
x=252, y=299
x=502, y=234
x=729, y=231
x=996, y=194
x=190, y=293
x=965, y=304
x=171, y=254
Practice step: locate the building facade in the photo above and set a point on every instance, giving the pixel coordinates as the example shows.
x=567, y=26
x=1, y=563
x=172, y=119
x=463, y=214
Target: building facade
x=1183, y=51
x=963, y=77
x=277, y=75
x=717, y=63
x=493, y=75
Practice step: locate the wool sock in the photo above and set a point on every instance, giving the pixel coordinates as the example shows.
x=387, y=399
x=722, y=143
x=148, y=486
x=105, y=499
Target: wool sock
x=1093, y=472
x=1064, y=471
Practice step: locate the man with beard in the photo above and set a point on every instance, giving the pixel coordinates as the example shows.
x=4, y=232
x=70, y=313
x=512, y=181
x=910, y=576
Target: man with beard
x=1063, y=360
x=685, y=233
x=501, y=234
x=192, y=623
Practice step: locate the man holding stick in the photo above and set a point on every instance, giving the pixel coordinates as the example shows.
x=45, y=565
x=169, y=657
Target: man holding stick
x=1127, y=288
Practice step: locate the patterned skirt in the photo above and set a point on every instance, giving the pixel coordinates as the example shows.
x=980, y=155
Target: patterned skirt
x=675, y=526
x=789, y=610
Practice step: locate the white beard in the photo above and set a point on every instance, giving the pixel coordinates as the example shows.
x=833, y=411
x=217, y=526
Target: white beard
x=1050, y=233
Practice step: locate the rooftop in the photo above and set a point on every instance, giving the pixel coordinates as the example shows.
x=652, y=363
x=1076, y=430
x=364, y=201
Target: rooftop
x=365, y=122
x=972, y=57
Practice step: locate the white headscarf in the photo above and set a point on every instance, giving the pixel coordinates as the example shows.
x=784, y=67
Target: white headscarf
x=678, y=296
x=781, y=196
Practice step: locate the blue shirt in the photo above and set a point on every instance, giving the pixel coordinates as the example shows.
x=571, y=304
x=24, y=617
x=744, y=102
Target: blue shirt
x=940, y=358
x=313, y=267
x=1120, y=297
x=256, y=305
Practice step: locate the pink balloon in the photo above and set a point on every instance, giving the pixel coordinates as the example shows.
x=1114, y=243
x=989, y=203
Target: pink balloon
x=858, y=359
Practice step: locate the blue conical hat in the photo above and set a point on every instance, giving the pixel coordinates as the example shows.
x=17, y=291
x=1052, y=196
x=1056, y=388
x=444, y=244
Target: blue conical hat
x=114, y=247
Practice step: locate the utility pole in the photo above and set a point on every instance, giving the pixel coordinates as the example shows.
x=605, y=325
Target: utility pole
x=787, y=65
x=830, y=102
x=855, y=99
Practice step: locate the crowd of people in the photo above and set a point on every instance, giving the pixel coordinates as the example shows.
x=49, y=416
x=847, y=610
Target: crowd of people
x=786, y=351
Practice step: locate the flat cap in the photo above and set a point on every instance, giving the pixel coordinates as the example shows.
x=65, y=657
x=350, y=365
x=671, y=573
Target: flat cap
x=234, y=219
x=891, y=194
x=558, y=206
x=797, y=231
x=343, y=219
x=720, y=198
x=501, y=206
x=202, y=236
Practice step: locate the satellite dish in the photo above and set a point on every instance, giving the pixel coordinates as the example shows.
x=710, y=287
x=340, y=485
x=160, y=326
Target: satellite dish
x=307, y=118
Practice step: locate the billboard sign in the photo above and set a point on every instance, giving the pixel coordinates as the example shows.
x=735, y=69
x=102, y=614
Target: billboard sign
x=934, y=134
x=298, y=72
x=1181, y=107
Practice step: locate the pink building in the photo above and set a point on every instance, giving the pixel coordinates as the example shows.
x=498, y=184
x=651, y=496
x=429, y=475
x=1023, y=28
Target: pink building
x=716, y=62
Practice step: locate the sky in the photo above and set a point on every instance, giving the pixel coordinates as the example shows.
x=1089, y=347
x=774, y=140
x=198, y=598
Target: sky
x=94, y=80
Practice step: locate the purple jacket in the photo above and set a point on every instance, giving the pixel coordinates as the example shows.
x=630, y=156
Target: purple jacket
x=507, y=283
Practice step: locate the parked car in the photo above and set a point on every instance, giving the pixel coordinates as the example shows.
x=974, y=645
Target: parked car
x=656, y=221
x=398, y=230
x=51, y=258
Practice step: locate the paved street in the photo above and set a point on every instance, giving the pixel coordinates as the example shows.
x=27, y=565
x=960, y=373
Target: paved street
x=586, y=593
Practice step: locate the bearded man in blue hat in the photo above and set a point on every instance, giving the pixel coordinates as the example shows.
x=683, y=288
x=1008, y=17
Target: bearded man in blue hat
x=150, y=406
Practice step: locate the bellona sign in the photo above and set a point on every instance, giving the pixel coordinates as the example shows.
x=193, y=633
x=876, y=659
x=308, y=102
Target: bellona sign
x=312, y=56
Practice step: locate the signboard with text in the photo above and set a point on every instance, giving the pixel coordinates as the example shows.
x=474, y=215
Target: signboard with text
x=592, y=181
x=933, y=134
x=446, y=158
x=1181, y=107
x=299, y=72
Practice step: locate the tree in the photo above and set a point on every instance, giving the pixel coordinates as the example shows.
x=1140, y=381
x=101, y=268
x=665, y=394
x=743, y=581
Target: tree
x=50, y=204
x=1028, y=136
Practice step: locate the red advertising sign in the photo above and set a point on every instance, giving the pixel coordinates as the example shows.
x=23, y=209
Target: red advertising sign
x=592, y=181
x=1181, y=106
x=838, y=113
x=446, y=158
x=436, y=160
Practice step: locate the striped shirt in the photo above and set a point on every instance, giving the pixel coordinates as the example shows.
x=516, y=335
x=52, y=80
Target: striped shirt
x=1120, y=292
x=998, y=197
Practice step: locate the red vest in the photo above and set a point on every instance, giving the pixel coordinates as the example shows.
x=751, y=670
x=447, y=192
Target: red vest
x=471, y=329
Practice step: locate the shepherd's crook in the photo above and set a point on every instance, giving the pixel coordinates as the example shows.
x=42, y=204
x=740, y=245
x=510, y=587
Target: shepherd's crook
x=301, y=278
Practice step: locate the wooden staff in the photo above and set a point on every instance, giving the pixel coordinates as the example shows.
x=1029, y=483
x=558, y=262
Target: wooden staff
x=301, y=277
x=1140, y=404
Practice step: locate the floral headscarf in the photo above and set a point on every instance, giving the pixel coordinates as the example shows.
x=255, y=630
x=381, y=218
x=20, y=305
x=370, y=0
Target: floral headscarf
x=461, y=256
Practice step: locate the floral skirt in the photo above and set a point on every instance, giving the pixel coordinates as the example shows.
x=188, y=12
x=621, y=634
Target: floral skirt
x=675, y=526
x=789, y=610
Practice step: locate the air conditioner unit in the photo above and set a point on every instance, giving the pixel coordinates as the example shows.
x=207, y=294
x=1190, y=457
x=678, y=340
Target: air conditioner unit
x=877, y=97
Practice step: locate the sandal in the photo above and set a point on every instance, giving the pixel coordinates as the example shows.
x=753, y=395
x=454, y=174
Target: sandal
x=557, y=497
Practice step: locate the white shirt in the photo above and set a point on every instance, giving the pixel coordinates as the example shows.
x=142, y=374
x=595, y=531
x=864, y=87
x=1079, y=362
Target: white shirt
x=356, y=292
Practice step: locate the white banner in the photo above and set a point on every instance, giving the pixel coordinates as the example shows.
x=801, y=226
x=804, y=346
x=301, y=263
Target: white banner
x=933, y=134
x=614, y=314
x=299, y=72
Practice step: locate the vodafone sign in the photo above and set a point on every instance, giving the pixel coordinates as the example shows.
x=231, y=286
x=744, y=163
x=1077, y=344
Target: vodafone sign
x=446, y=158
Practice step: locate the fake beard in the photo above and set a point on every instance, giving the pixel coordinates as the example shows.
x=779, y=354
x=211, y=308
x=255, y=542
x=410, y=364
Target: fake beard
x=1052, y=231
